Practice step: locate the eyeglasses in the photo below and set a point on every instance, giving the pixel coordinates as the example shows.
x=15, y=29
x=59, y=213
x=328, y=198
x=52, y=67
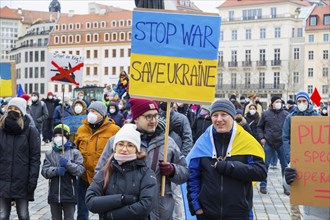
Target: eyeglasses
x=129, y=146
x=150, y=117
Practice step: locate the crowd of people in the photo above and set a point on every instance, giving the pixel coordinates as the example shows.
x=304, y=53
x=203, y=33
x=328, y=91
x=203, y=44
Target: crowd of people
x=107, y=155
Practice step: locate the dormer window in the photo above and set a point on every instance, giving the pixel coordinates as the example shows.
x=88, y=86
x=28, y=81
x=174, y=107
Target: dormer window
x=56, y=40
x=96, y=24
x=326, y=19
x=78, y=25
x=121, y=23
x=114, y=23
x=129, y=22
x=88, y=25
x=103, y=24
x=57, y=27
x=313, y=20
x=63, y=27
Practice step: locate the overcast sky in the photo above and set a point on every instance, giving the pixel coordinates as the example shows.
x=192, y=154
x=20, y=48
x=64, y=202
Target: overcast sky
x=81, y=6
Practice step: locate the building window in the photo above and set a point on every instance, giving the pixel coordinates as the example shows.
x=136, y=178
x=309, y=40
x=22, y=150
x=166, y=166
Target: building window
x=78, y=25
x=325, y=54
x=310, y=55
x=114, y=52
x=36, y=87
x=233, y=80
x=114, y=70
x=78, y=38
x=96, y=24
x=30, y=72
x=95, y=54
x=70, y=88
x=121, y=52
x=106, y=37
x=114, y=36
x=122, y=36
x=221, y=35
x=26, y=73
x=273, y=12
x=42, y=56
x=277, y=54
x=63, y=39
x=299, y=32
x=311, y=38
x=325, y=37
x=121, y=23
x=262, y=33
x=296, y=53
x=248, y=55
x=42, y=72
x=70, y=26
x=63, y=26
x=95, y=37
x=36, y=72
x=129, y=35
x=293, y=30
x=276, y=80
x=77, y=52
x=220, y=80
x=31, y=87
x=277, y=32
x=310, y=89
x=42, y=88
x=129, y=22
x=262, y=55
x=247, y=80
x=26, y=57
x=121, y=68
x=234, y=56
x=88, y=38
x=106, y=70
x=31, y=56
x=248, y=34
x=325, y=71
x=326, y=19
x=313, y=20
x=88, y=71
x=231, y=15
x=36, y=56
x=295, y=77
x=252, y=14
x=129, y=52
x=95, y=70
x=103, y=24
x=325, y=89
x=234, y=34
x=88, y=54
x=114, y=23
x=310, y=72
x=55, y=88
x=88, y=25
x=106, y=53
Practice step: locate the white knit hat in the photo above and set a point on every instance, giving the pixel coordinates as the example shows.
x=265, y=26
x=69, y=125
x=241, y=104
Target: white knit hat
x=20, y=103
x=128, y=133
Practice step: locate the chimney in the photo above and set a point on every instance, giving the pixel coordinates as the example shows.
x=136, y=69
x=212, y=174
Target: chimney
x=19, y=10
x=71, y=13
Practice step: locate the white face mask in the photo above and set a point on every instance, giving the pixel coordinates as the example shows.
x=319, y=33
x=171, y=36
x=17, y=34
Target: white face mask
x=80, y=97
x=112, y=111
x=34, y=98
x=58, y=140
x=278, y=106
x=324, y=111
x=252, y=112
x=50, y=97
x=78, y=109
x=120, y=106
x=91, y=118
x=302, y=107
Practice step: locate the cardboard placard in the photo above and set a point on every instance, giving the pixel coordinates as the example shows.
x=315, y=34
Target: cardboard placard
x=174, y=55
x=310, y=155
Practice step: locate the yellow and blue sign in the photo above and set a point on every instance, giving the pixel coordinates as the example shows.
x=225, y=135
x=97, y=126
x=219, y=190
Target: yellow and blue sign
x=174, y=55
x=7, y=79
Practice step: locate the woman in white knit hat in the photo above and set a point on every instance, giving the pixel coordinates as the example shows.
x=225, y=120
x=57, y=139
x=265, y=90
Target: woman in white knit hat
x=125, y=188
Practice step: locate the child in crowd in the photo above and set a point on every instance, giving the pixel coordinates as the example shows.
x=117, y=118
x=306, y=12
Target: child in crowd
x=62, y=169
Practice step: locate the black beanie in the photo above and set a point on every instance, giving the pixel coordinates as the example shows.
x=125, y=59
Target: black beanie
x=274, y=98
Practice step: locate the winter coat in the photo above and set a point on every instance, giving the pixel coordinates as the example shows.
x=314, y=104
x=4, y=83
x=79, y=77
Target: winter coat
x=117, y=116
x=91, y=144
x=165, y=203
x=51, y=105
x=199, y=126
x=39, y=113
x=253, y=125
x=19, y=162
x=270, y=126
x=227, y=194
x=58, y=113
x=63, y=188
x=130, y=178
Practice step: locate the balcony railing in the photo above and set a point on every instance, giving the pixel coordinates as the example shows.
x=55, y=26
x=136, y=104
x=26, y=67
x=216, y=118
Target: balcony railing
x=232, y=64
x=261, y=63
x=266, y=86
x=247, y=63
x=276, y=62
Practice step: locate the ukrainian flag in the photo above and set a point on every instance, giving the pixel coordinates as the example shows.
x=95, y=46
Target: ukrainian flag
x=6, y=88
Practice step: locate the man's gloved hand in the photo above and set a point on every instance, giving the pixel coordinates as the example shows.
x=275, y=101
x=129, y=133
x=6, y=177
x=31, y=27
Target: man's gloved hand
x=60, y=171
x=220, y=166
x=128, y=199
x=166, y=168
x=63, y=161
x=290, y=174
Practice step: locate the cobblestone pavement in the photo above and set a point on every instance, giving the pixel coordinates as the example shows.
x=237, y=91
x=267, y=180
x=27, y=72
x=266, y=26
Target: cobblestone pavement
x=273, y=206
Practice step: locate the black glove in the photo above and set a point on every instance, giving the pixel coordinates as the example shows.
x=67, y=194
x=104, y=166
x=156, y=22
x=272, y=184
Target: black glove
x=290, y=174
x=31, y=187
x=220, y=166
x=128, y=199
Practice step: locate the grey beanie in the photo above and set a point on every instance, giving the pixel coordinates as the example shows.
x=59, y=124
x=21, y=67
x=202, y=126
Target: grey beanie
x=100, y=107
x=20, y=103
x=225, y=106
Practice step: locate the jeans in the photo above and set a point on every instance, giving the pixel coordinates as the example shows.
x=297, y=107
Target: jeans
x=83, y=212
x=274, y=159
x=269, y=151
x=22, y=208
x=178, y=213
x=67, y=208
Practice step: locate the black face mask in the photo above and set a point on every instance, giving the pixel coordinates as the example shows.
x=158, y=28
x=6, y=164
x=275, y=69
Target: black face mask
x=13, y=115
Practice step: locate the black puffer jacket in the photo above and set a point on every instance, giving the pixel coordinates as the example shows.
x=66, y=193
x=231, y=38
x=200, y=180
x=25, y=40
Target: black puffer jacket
x=130, y=178
x=19, y=162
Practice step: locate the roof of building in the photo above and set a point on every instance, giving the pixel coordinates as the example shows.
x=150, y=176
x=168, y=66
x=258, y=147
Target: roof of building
x=319, y=12
x=232, y=3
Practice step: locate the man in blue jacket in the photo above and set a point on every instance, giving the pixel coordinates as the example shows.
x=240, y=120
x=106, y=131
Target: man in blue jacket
x=223, y=163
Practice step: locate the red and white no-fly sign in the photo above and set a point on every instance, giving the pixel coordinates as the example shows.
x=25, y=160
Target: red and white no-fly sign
x=65, y=68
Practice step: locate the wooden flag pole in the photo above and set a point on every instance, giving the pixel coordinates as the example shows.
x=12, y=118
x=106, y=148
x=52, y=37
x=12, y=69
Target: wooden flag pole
x=167, y=129
x=62, y=119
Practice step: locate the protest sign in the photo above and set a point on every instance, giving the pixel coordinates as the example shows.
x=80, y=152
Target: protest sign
x=7, y=79
x=65, y=68
x=174, y=55
x=310, y=155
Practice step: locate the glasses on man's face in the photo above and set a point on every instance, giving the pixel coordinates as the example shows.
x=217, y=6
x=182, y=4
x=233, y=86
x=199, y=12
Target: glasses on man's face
x=150, y=117
x=121, y=145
